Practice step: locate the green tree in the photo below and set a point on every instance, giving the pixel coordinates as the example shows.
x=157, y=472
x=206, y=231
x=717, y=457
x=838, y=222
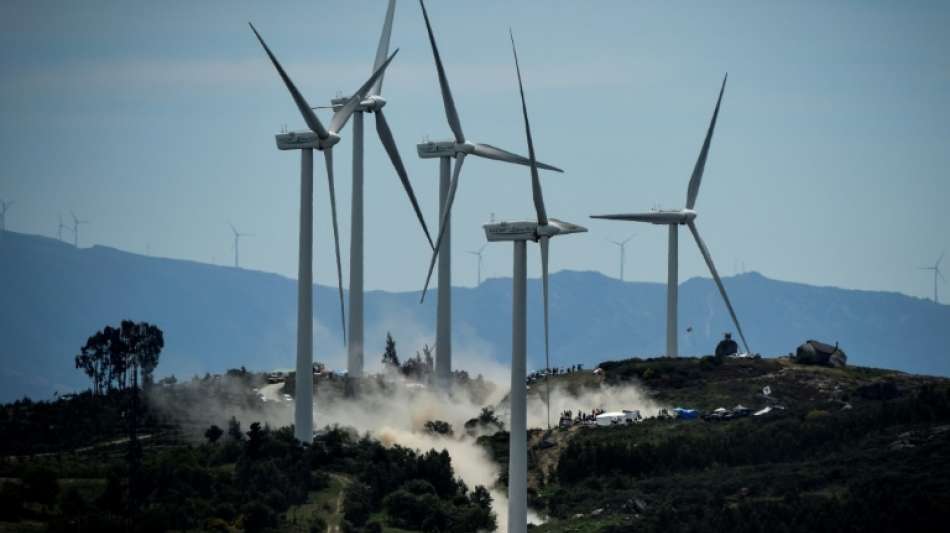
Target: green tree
x=438, y=427
x=234, y=430
x=115, y=357
x=390, y=357
x=213, y=433
x=357, y=503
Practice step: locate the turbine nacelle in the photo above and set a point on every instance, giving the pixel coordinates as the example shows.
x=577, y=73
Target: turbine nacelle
x=369, y=104
x=302, y=140
x=447, y=148
x=436, y=149
x=529, y=230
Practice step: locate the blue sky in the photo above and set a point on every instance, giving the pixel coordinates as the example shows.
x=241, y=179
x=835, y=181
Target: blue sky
x=155, y=120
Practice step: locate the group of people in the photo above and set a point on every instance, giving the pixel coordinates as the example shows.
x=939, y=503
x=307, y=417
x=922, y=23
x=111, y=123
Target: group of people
x=538, y=374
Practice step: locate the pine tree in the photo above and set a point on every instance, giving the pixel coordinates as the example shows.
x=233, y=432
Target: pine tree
x=390, y=357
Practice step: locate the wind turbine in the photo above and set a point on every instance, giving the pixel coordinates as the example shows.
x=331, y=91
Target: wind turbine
x=4, y=205
x=673, y=219
x=320, y=138
x=59, y=229
x=623, y=251
x=76, y=223
x=237, y=240
x=520, y=233
x=457, y=149
x=370, y=101
x=937, y=272
x=478, y=253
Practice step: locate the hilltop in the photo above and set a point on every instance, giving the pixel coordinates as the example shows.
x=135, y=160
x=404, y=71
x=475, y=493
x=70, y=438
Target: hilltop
x=219, y=317
x=853, y=449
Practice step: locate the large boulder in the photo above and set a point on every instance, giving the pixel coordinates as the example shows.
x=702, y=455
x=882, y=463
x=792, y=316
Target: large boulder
x=813, y=352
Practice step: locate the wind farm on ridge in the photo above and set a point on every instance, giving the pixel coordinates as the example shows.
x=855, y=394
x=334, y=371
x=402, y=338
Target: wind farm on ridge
x=532, y=458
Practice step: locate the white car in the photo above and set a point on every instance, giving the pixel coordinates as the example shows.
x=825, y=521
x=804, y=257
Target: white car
x=616, y=418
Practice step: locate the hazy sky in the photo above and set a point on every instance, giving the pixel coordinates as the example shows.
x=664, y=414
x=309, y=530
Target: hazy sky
x=155, y=120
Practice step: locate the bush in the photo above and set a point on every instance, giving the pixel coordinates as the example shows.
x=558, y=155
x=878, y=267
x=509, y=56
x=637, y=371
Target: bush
x=40, y=485
x=258, y=516
x=357, y=503
x=408, y=511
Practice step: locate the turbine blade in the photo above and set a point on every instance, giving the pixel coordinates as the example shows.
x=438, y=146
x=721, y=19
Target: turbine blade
x=543, y=241
x=328, y=155
x=340, y=117
x=386, y=137
x=937, y=264
x=535, y=180
x=383, y=49
x=450, y=113
x=697, y=176
x=308, y=115
x=653, y=217
x=493, y=152
x=715, y=275
x=625, y=241
x=443, y=221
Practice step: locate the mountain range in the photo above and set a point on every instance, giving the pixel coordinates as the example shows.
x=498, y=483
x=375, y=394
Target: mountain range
x=53, y=296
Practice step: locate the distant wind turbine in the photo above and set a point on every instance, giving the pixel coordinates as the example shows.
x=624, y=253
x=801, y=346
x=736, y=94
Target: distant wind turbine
x=320, y=138
x=4, y=205
x=673, y=219
x=623, y=251
x=237, y=241
x=76, y=223
x=59, y=229
x=478, y=254
x=540, y=231
x=457, y=148
x=936, y=270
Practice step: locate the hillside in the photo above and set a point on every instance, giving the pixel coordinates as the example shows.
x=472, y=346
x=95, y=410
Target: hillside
x=218, y=317
x=852, y=449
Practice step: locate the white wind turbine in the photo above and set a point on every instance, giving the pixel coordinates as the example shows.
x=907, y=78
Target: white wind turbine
x=937, y=272
x=370, y=101
x=323, y=139
x=673, y=219
x=520, y=233
x=59, y=228
x=4, y=206
x=458, y=148
x=623, y=251
x=237, y=241
x=478, y=254
x=76, y=224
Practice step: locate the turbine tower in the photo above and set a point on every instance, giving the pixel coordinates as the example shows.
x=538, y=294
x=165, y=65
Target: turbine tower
x=674, y=218
x=320, y=138
x=76, y=223
x=457, y=149
x=937, y=272
x=59, y=229
x=623, y=251
x=370, y=101
x=520, y=233
x=4, y=206
x=478, y=253
x=237, y=240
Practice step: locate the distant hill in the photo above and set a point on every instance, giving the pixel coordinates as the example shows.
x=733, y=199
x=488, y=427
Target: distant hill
x=214, y=317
